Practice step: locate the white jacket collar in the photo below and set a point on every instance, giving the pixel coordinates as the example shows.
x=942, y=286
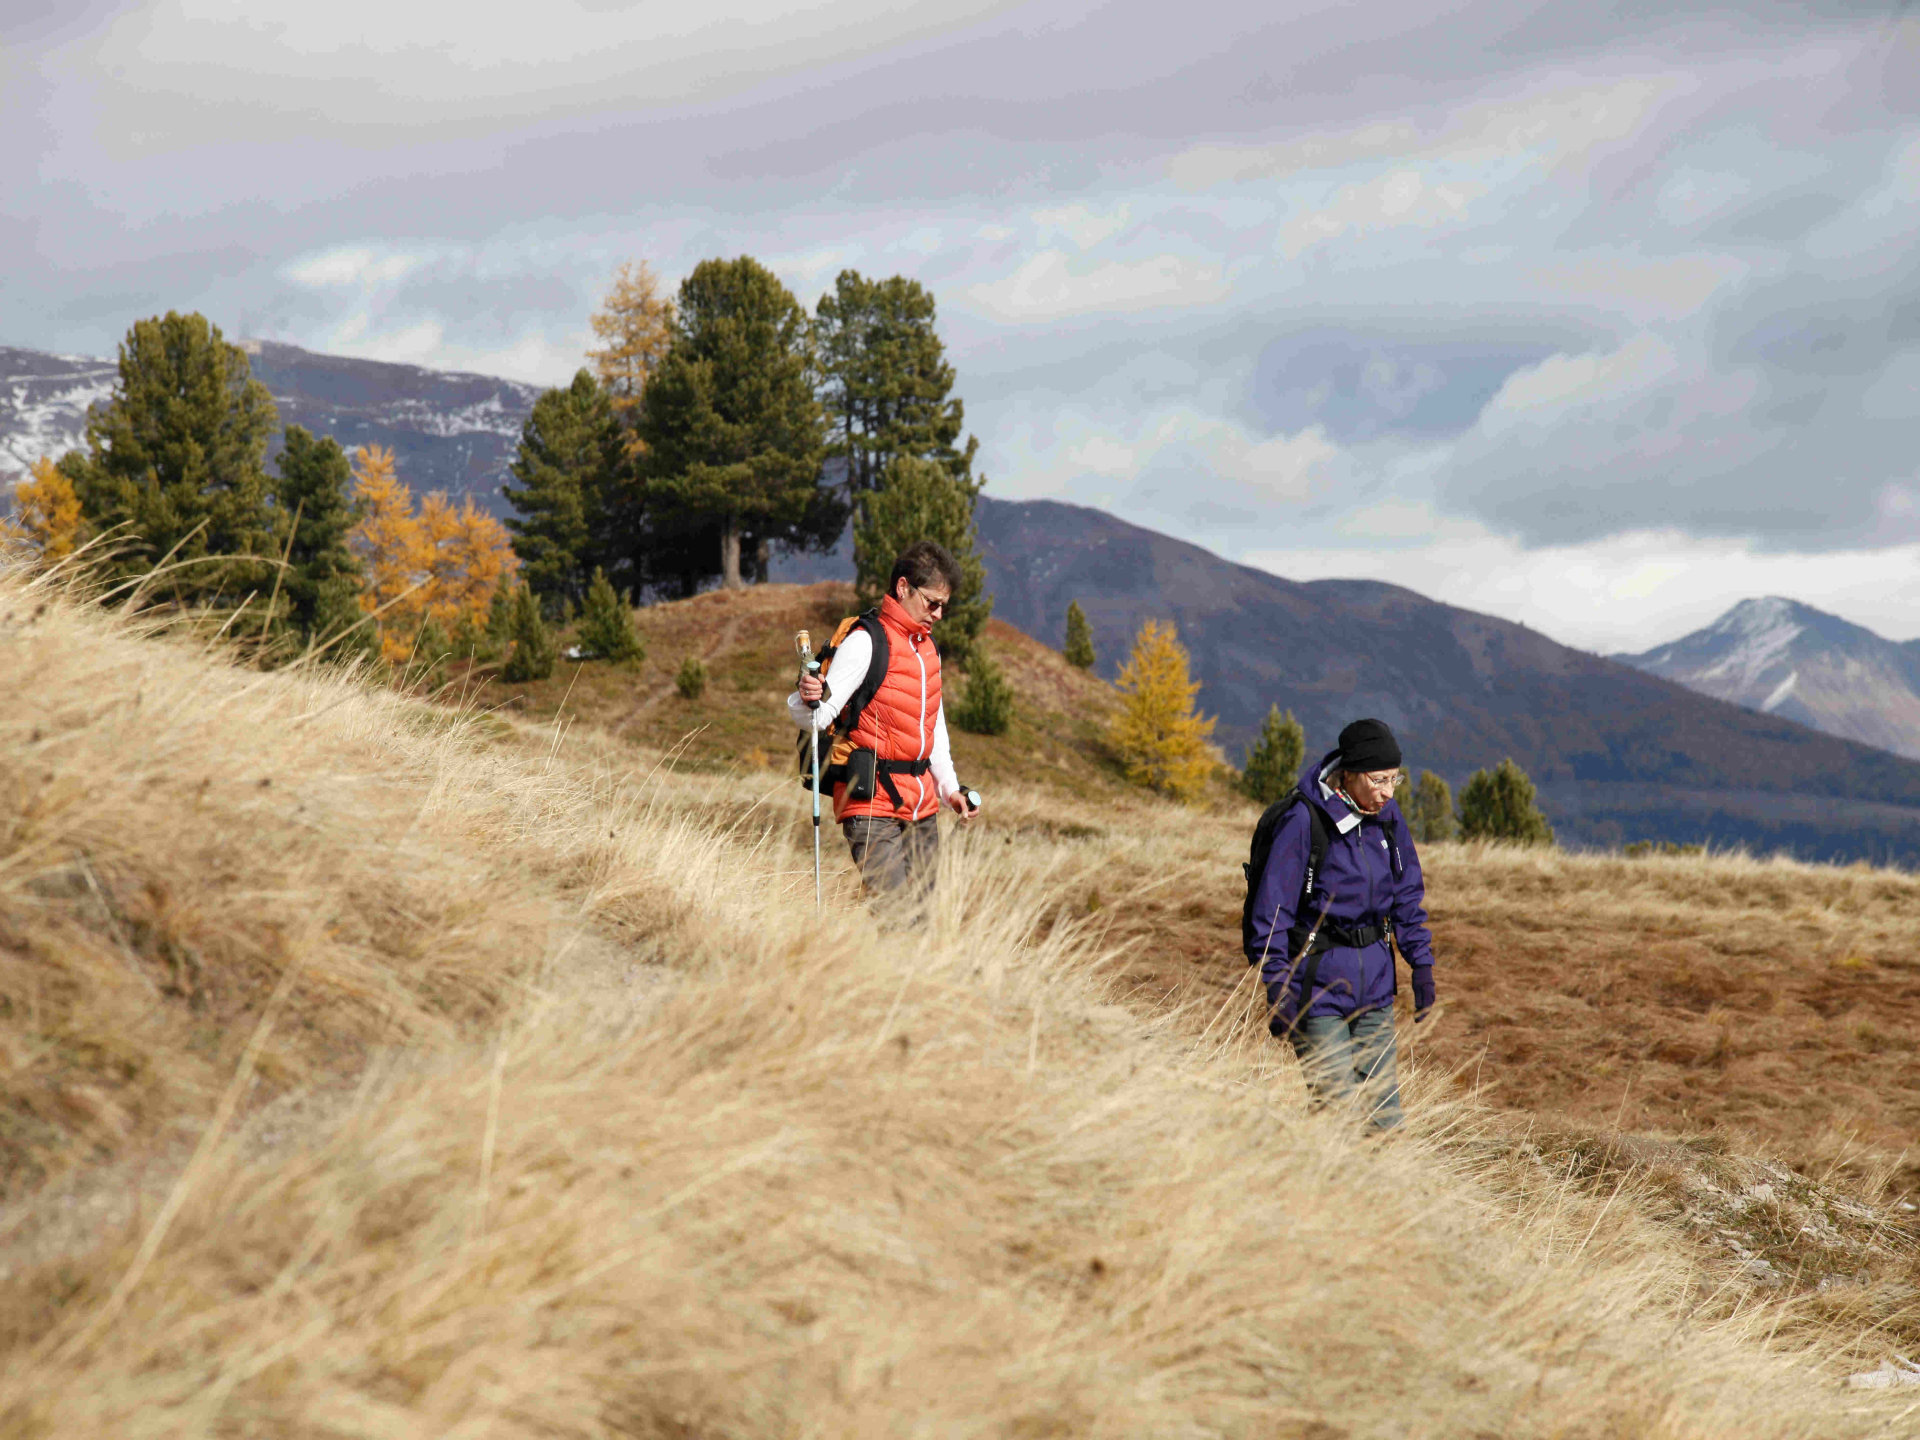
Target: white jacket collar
x=1345, y=816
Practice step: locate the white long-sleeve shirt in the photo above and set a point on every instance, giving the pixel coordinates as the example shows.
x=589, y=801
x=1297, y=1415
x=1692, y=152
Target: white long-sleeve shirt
x=850, y=664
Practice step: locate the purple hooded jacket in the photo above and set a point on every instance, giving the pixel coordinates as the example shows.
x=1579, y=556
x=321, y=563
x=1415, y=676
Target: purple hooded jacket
x=1358, y=874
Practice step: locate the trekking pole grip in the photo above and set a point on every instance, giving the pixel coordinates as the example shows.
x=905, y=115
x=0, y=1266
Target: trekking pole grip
x=803, y=645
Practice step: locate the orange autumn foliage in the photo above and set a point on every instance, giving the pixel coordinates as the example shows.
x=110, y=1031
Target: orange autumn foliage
x=436, y=561
x=46, y=511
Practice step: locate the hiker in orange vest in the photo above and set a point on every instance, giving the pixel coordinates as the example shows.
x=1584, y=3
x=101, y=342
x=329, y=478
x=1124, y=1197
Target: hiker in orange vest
x=888, y=765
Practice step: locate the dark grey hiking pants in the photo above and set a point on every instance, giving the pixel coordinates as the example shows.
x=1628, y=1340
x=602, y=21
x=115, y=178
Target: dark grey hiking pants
x=1349, y=1060
x=896, y=857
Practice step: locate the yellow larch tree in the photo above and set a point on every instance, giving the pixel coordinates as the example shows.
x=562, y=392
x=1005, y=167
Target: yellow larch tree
x=46, y=511
x=635, y=324
x=392, y=545
x=469, y=556
x=1158, y=734
x=436, y=562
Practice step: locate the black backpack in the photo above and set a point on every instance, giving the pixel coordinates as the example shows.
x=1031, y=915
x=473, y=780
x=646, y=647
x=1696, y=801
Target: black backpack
x=1256, y=866
x=833, y=754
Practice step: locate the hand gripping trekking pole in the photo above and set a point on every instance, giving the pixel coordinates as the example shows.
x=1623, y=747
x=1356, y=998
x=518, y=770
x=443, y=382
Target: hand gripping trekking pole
x=803, y=643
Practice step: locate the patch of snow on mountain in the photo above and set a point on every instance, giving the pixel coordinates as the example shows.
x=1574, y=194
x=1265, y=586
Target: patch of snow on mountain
x=1758, y=632
x=1780, y=693
x=488, y=417
x=46, y=419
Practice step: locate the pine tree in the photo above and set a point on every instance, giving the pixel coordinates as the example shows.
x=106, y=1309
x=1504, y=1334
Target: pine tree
x=315, y=488
x=175, y=464
x=1430, y=811
x=342, y=631
x=920, y=501
x=606, y=625
x=1498, y=804
x=733, y=430
x=573, y=477
x=888, y=384
x=1158, y=735
x=986, y=705
x=634, y=323
x=1273, y=764
x=46, y=511
x=1079, y=648
x=499, y=629
x=534, y=650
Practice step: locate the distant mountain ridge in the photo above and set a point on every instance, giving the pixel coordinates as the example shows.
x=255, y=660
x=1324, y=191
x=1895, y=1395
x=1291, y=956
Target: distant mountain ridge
x=1784, y=658
x=448, y=431
x=1619, y=754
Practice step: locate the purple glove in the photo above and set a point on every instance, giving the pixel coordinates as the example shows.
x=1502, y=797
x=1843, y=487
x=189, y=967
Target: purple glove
x=1422, y=991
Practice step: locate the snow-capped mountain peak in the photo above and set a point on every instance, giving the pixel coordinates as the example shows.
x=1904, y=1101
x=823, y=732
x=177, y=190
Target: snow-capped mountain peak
x=1784, y=658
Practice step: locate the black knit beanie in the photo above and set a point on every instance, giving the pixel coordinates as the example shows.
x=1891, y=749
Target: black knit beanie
x=1368, y=745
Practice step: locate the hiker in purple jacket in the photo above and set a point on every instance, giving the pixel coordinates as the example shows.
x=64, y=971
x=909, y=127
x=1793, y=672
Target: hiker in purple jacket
x=1325, y=955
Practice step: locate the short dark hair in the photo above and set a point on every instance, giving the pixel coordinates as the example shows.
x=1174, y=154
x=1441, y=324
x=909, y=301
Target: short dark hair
x=920, y=563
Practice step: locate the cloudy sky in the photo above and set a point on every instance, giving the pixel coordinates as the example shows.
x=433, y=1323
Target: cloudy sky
x=1597, y=316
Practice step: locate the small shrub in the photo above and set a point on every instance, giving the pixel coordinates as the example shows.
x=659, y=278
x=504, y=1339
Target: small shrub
x=606, y=625
x=986, y=706
x=1642, y=849
x=1429, y=809
x=1497, y=804
x=499, y=627
x=534, y=650
x=1273, y=764
x=691, y=682
x=473, y=641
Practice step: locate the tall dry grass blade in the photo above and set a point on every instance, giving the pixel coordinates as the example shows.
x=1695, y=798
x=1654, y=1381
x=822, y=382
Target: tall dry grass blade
x=209, y=1138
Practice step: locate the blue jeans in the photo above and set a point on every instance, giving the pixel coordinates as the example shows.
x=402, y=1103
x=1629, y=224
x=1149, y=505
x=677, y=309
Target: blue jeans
x=1349, y=1060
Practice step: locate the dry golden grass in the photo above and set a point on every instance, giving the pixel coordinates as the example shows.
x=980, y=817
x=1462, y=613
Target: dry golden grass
x=635, y=1146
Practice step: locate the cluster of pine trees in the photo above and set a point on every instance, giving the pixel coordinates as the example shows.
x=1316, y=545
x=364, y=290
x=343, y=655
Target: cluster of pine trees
x=171, y=498
x=726, y=423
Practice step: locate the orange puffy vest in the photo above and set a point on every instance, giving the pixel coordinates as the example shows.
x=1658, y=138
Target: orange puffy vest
x=898, y=722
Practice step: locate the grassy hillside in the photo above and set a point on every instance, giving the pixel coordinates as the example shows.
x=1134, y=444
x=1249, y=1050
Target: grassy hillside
x=745, y=638
x=526, y=1096
x=1752, y=1012
x=1757, y=997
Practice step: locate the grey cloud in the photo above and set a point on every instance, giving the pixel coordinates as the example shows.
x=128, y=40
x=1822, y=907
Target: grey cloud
x=1765, y=432
x=44, y=22
x=1776, y=220
x=1805, y=328
x=1362, y=386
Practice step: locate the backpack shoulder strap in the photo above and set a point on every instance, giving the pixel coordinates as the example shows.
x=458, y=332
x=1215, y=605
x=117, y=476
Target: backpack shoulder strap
x=869, y=686
x=1318, y=838
x=1262, y=848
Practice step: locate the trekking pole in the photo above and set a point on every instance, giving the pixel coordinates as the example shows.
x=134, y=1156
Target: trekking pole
x=803, y=642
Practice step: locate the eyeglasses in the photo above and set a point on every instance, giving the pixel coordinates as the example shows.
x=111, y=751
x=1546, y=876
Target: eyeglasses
x=936, y=604
x=1382, y=779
